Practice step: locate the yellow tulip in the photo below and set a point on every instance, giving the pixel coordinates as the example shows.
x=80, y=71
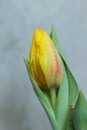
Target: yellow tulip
x=45, y=63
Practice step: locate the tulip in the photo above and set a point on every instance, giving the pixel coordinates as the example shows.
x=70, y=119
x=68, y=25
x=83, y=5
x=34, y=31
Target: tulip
x=45, y=62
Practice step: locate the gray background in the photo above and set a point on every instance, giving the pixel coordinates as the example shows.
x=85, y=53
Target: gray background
x=19, y=106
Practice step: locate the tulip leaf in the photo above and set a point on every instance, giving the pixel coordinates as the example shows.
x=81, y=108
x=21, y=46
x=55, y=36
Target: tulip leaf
x=42, y=98
x=80, y=113
x=56, y=43
x=73, y=87
x=62, y=104
x=68, y=92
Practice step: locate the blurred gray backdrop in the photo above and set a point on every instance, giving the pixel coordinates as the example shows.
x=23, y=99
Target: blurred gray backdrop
x=19, y=106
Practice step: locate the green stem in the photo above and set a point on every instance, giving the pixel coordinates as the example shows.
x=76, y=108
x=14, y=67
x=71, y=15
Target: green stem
x=53, y=97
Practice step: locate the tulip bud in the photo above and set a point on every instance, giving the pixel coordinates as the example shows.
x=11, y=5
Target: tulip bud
x=45, y=62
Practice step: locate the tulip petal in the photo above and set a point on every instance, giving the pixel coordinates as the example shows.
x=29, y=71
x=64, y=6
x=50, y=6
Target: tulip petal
x=45, y=63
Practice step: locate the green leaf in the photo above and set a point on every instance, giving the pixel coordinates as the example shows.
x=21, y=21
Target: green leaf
x=62, y=104
x=42, y=98
x=80, y=114
x=73, y=87
x=68, y=93
x=56, y=43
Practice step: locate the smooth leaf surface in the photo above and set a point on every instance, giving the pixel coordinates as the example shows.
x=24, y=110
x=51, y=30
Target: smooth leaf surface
x=63, y=101
x=80, y=114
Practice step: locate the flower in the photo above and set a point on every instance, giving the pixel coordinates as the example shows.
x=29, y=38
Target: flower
x=45, y=62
